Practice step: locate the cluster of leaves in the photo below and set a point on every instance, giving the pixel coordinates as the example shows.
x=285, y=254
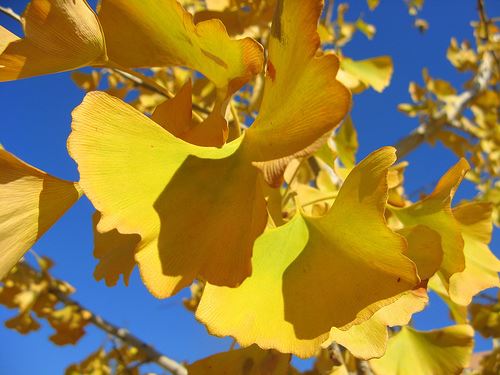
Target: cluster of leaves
x=466, y=122
x=293, y=247
x=34, y=294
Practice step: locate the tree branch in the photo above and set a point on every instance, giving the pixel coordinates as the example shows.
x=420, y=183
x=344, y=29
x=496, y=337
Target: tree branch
x=126, y=337
x=10, y=12
x=441, y=119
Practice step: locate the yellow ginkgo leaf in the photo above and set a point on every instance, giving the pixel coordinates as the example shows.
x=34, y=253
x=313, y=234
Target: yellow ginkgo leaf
x=481, y=265
x=369, y=339
x=60, y=35
x=297, y=289
x=184, y=201
x=31, y=201
x=116, y=253
x=346, y=142
x=440, y=352
x=457, y=312
x=375, y=72
x=175, y=115
x=302, y=98
x=246, y=361
x=434, y=211
x=162, y=33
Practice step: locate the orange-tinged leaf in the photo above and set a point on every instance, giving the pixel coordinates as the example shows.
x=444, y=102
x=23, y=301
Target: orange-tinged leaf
x=175, y=115
x=246, y=361
x=369, y=339
x=184, y=201
x=162, y=33
x=481, y=265
x=443, y=351
x=60, y=35
x=297, y=289
x=302, y=99
x=375, y=72
x=31, y=202
x=434, y=211
x=116, y=253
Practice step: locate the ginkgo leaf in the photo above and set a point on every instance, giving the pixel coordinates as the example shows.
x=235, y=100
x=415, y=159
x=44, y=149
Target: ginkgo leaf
x=116, y=253
x=297, y=289
x=60, y=35
x=346, y=142
x=369, y=339
x=434, y=211
x=246, y=361
x=481, y=265
x=175, y=115
x=184, y=201
x=162, y=33
x=31, y=202
x=440, y=352
x=457, y=312
x=375, y=72
x=302, y=100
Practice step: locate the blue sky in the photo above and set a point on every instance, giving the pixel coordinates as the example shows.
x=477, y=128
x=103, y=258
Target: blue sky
x=36, y=117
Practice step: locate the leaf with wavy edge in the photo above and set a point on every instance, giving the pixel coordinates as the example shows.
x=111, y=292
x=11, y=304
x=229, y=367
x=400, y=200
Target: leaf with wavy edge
x=369, y=339
x=302, y=98
x=297, y=290
x=60, y=35
x=246, y=361
x=183, y=200
x=434, y=211
x=443, y=351
x=137, y=174
x=481, y=265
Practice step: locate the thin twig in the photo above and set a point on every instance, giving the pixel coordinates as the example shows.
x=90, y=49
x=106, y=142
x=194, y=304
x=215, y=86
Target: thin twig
x=123, y=335
x=10, y=12
x=427, y=129
x=148, y=83
x=441, y=119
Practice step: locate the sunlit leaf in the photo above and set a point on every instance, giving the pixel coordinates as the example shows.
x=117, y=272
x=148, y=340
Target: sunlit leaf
x=296, y=291
x=440, y=352
x=369, y=339
x=247, y=361
x=60, y=35
x=481, y=266
x=163, y=34
x=346, y=141
x=116, y=253
x=184, y=201
x=375, y=72
x=302, y=101
x=31, y=202
x=434, y=211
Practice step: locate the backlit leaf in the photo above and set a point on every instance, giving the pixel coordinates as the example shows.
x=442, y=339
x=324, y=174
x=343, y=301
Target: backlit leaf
x=296, y=292
x=31, y=201
x=60, y=35
x=481, y=266
x=434, y=211
x=302, y=101
x=247, y=361
x=440, y=352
